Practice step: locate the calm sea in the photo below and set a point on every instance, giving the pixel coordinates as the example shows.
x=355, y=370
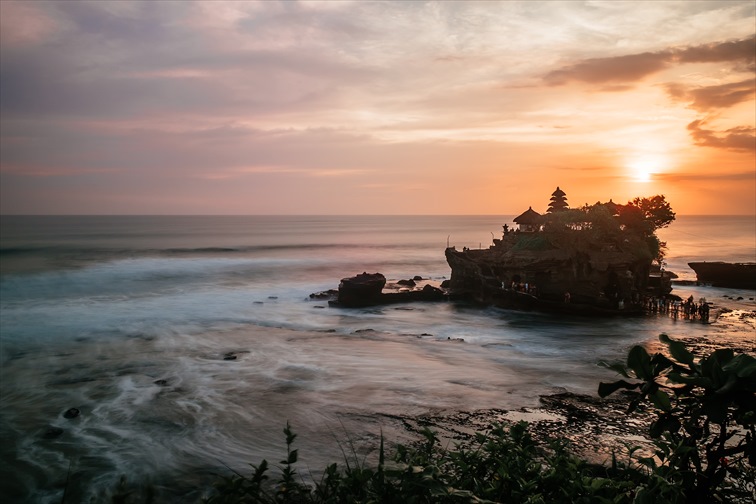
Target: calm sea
x=187, y=343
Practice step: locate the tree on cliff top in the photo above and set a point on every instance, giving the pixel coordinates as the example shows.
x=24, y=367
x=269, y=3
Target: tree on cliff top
x=646, y=214
x=594, y=227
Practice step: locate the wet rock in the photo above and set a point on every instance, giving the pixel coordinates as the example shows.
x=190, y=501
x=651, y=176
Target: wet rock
x=328, y=294
x=417, y=278
x=272, y=297
x=161, y=382
x=230, y=356
x=52, y=432
x=71, y=413
x=319, y=306
x=361, y=290
x=409, y=283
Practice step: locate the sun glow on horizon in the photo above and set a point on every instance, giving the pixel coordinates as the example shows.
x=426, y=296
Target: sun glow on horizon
x=642, y=168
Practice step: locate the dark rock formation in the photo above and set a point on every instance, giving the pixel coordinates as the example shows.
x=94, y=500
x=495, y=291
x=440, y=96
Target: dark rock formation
x=575, y=281
x=328, y=294
x=71, y=413
x=722, y=274
x=361, y=290
x=368, y=290
x=52, y=432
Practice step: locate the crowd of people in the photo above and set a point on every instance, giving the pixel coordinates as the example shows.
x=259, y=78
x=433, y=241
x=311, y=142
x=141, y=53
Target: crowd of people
x=688, y=309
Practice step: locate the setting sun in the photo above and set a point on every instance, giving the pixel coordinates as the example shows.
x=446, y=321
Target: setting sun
x=644, y=168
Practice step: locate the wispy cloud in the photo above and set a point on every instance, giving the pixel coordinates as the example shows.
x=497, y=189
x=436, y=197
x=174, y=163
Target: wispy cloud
x=634, y=67
x=707, y=98
x=741, y=138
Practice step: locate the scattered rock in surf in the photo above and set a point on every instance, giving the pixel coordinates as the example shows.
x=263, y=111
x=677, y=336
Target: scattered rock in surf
x=230, y=356
x=456, y=340
x=740, y=298
x=359, y=331
x=52, y=432
x=71, y=413
x=319, y=306
x=257, y=302
x=417, y=278
x=272, y=297
x=161, y=382
x=328, y=294
x=409, y=283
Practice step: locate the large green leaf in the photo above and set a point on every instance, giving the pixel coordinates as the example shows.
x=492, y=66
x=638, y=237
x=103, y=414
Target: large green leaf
x=639, y=361
x=661, y=400
x=743, y=365
x=677, y=349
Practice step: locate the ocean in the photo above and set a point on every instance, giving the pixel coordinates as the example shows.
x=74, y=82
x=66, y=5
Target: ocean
x=186, y=343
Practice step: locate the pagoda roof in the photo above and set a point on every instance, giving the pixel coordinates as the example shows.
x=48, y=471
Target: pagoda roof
x=558, y=193
x=529, y=216
x=611, y=206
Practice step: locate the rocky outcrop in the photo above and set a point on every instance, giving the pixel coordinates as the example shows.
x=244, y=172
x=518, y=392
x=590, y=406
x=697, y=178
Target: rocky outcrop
x=367, y=289
x=723, y=274
x=587, y=280
x=361, y=290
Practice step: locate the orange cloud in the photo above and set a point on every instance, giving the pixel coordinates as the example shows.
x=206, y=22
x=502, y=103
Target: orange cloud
x=741, y=138
x=634, y=67
x=706, y=98
x=631, y=67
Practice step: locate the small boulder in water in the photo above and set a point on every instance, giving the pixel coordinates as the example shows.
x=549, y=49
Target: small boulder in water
x=361, y=290
x=52, y=432
x=161, y=382
x=71, y=413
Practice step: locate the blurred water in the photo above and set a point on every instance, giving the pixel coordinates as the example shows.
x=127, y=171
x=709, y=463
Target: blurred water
x=188, y=342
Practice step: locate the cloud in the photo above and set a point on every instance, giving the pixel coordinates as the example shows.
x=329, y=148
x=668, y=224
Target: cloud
x=635, y=67
x=707, y=98
x=739, y=50
x=632, y=67
x=740, y=138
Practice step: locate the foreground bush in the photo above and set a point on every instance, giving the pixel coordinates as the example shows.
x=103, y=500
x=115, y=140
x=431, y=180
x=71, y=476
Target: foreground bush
x=504, y=465
x=705, y=430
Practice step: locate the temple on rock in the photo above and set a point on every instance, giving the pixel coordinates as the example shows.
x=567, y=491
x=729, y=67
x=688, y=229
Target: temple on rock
x=595, y=258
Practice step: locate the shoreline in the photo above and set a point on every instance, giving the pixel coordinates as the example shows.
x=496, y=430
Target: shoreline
x=597, y=428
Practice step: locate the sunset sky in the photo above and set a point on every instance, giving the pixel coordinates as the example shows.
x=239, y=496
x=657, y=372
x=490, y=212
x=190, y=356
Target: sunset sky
x=360, y=107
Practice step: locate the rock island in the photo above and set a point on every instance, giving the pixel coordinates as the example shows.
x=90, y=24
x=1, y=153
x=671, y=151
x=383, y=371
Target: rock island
x=596, y=258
